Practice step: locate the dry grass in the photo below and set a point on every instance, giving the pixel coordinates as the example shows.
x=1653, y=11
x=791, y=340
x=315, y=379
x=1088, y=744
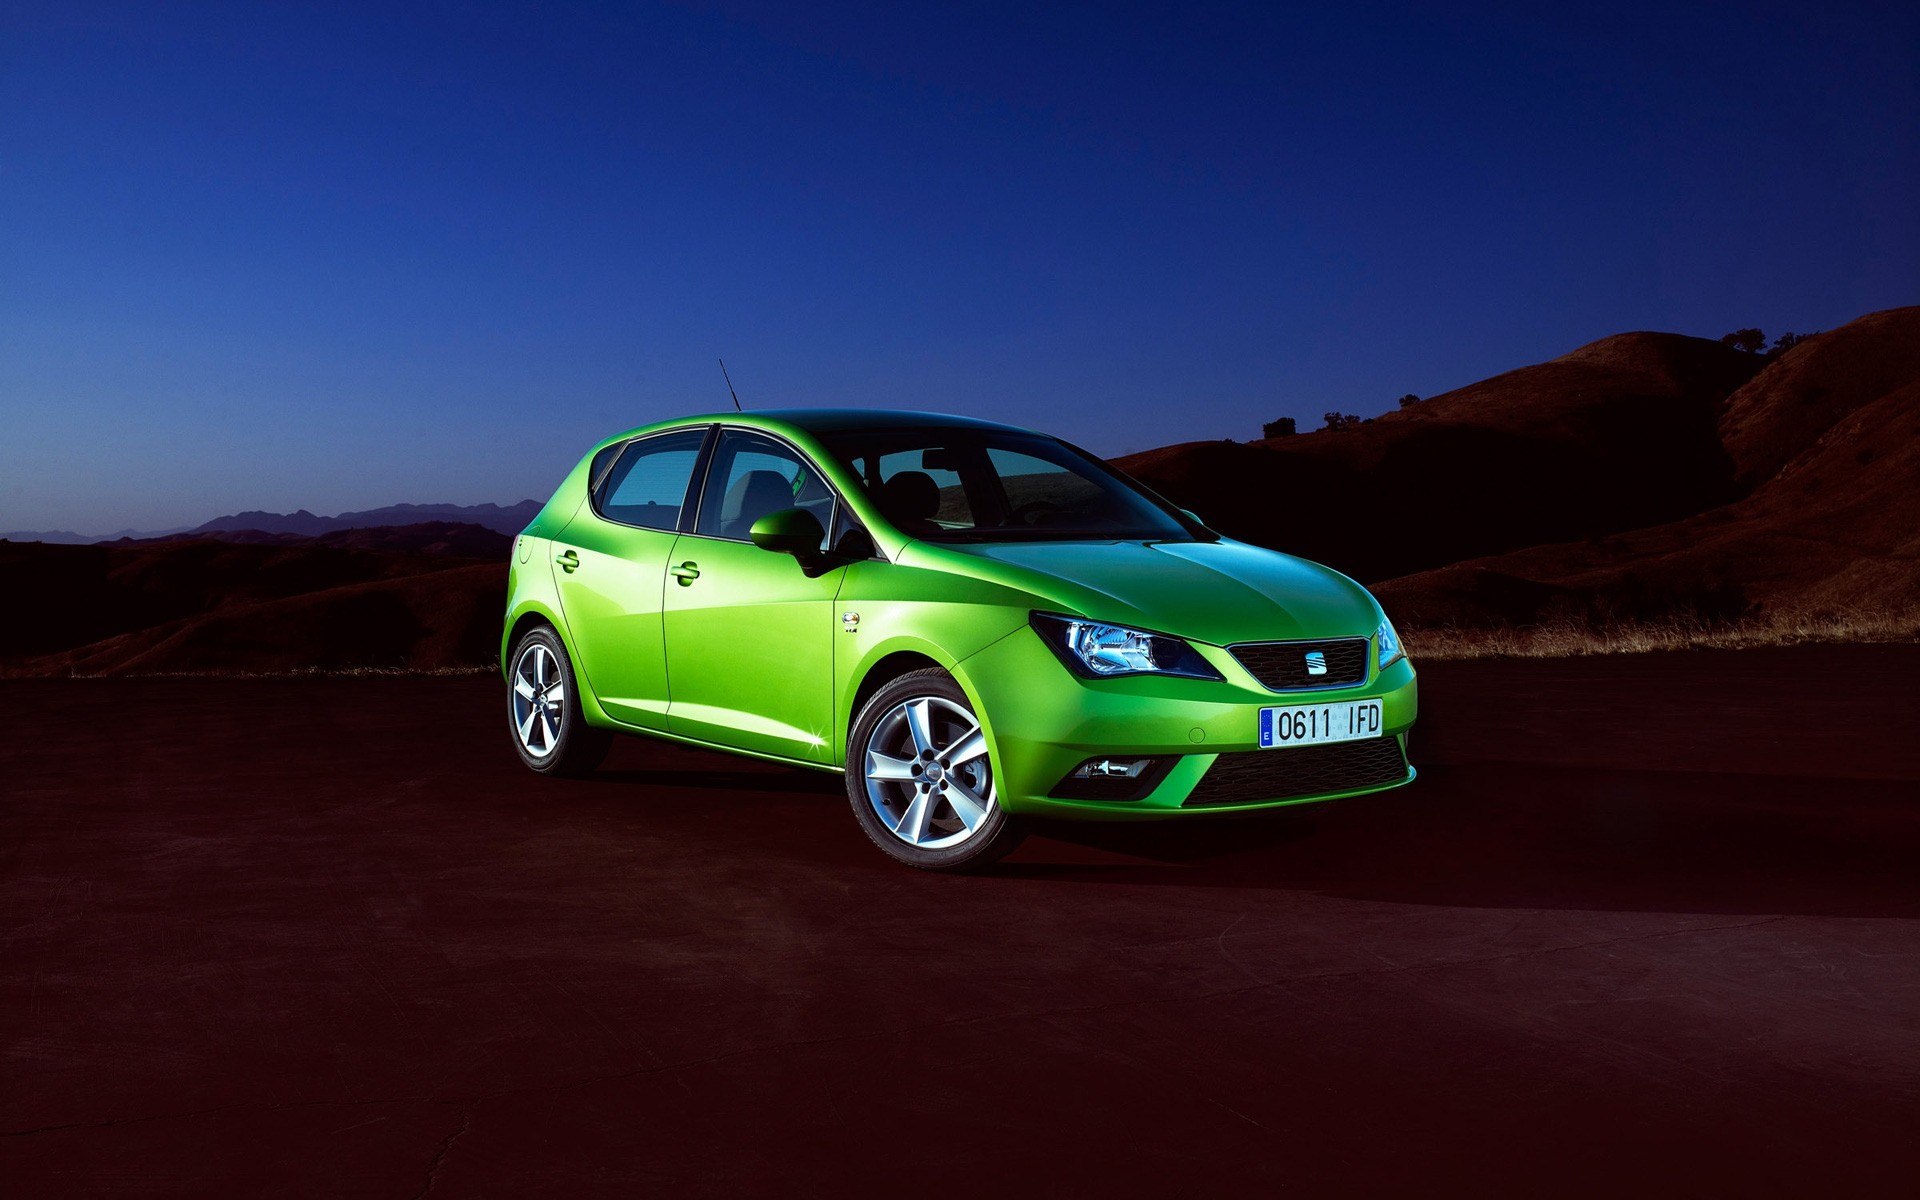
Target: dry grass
x=1572, y=639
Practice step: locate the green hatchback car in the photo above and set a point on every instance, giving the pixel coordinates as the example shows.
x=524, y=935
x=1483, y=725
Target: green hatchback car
x=976, y=624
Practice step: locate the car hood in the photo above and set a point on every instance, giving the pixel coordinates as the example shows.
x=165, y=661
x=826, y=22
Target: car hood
x=1220, y=592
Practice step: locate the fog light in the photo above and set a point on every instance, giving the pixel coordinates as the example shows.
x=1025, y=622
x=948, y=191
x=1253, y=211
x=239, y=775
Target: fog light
x=1112, y=768
x=1114, y=778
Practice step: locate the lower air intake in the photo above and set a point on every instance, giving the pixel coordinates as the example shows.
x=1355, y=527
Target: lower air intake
x=1249, y=777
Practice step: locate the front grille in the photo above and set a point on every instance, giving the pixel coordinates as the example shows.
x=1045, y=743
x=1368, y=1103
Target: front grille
x=1282, y=666
x=1251, y=776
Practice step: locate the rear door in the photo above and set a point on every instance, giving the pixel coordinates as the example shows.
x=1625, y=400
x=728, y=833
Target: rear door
x=610, y=565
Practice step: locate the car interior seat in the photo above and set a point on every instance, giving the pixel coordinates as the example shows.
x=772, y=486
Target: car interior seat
x=909, y=500
x=751, y=497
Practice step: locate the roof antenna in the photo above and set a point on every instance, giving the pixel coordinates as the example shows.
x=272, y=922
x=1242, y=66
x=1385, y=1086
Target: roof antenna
x=730, y=391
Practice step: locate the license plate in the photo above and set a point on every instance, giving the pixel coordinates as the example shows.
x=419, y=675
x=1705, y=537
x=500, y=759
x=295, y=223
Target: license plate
x=1314, y=724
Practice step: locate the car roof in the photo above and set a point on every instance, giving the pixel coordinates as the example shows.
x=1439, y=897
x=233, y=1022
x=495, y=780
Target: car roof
x=828, y=420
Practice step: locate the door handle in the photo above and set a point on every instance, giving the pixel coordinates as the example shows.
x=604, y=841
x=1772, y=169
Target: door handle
x=569, y=562
x=686, y=573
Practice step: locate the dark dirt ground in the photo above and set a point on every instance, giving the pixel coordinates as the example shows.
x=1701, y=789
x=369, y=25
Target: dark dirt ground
x=1643, y=923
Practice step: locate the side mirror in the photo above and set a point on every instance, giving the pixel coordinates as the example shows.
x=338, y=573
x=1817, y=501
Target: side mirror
x=1193, y=516
x=792, y=531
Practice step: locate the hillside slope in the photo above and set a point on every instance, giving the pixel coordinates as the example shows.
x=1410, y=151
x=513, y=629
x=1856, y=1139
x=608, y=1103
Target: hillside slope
x=122, y=593
x=422, y=622
x=1830, y=527
x=1814, y=387
x=1618, y=434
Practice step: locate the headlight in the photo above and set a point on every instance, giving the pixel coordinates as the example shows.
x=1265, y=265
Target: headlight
x=1098, y=650
x=1391, y=651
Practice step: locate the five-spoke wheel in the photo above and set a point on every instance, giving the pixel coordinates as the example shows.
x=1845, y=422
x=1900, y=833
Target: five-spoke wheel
x=543, y=707
x=539, y=697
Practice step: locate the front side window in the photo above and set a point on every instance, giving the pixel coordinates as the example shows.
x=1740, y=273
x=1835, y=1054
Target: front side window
x=754, y=475
x=648, y=485
x=993, y=485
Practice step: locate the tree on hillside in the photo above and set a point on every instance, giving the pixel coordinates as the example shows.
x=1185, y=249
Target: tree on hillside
x=1409, y=400
x=1337, y=422
x=1751, y=340
x=1787, y=341
x=1283, y=427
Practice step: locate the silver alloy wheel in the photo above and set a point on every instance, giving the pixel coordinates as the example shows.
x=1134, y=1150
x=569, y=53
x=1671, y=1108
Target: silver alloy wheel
x=927, y=773
x=539, y=700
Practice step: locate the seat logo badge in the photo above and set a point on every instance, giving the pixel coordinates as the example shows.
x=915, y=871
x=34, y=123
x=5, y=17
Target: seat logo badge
x=1316, y=663
x=850, y=622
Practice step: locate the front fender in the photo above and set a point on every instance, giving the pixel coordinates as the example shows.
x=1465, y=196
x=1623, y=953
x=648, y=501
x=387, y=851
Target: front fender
x=955, y=667
x=858, y=667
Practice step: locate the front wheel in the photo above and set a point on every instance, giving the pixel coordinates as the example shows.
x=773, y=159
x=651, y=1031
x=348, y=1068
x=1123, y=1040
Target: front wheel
x=543, y=710
x=920, y=779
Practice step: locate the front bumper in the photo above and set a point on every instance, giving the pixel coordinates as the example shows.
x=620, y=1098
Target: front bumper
x=1045, y=721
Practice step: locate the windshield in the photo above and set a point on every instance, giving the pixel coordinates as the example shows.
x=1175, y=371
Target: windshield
x=994, y=485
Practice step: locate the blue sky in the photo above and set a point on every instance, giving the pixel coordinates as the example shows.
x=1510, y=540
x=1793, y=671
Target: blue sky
x=272, y=256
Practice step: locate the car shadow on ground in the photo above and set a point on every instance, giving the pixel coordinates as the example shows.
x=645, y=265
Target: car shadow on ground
x=1478, y=835
x=775, y=779
x=1522, y=836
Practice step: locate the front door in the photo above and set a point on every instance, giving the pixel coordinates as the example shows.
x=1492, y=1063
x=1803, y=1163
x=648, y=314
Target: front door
x=610, y=564
x=749, y=635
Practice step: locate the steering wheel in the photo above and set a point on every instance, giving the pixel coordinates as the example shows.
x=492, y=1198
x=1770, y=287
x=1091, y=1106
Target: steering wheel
x=1024, y=514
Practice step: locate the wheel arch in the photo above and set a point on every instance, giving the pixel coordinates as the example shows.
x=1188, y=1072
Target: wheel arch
x=889, y=668
x=890, y=665
x=531, y=614
x=534, y=614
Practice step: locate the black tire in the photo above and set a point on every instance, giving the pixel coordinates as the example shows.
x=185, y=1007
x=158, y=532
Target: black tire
x=949, y=787
x=557, y=739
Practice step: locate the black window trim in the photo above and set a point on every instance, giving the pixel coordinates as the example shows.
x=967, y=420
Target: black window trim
x=695, y=480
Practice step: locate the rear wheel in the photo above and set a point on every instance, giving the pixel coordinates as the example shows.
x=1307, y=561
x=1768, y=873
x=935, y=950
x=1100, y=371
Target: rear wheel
x=543, y=709
x=920, y=779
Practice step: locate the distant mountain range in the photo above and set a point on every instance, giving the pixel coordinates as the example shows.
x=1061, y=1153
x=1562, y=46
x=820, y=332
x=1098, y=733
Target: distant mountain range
x=67, y=537
x=461, y=539
x=508, y=519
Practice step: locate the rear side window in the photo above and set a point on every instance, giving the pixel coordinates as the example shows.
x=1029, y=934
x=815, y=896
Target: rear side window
x=648, y=486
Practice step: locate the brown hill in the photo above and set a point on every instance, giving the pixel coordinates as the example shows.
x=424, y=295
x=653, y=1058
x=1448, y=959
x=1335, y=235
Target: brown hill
x=1831, y=433
x=1614, y=436
x=427, y=621
x=1815, y=386
x=104, y=607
